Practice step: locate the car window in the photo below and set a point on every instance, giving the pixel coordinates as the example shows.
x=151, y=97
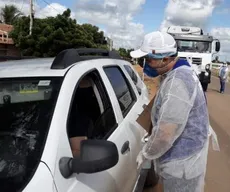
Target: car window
x=91, y=115
x=134, y=77
x=131, y=73
x=26, y=109
x=122, y=88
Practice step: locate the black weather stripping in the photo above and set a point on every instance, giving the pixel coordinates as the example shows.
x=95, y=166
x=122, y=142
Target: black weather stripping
x=70, y=56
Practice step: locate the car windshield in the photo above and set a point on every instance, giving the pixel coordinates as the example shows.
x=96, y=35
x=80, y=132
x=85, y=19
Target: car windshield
x=26, y=109
x=194, y=46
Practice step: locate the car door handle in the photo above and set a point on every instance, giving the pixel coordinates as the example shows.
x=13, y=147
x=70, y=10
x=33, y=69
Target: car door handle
x=125, y=148
x=144, y=106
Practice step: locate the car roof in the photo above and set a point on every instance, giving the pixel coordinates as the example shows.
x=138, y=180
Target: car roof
x=58, y=66
x=41, y=67
x=30, y=68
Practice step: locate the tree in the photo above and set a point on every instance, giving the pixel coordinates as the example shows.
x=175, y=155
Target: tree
x=122, y=52
x=54, y=34
x=10, y=13
x=125, y=52
x=93, y=31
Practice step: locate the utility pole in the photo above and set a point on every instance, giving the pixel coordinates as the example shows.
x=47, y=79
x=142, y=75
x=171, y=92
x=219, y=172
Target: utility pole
x=109, y=43
x=31, y=16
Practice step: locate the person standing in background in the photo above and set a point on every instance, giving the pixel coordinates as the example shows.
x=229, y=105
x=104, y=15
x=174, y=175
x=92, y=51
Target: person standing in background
x=223, y=75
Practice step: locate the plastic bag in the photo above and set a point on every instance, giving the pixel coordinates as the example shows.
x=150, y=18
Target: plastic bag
x=215, y=143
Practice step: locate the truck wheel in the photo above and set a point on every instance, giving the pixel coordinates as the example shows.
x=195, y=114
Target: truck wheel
x=152, y=178
x=204, y=86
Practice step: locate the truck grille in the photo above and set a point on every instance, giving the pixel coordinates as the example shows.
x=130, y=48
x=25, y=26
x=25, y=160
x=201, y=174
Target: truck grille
x=195, y=60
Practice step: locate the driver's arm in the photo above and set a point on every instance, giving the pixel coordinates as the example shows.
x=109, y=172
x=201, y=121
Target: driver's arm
x=75, y=143
x=78, y=132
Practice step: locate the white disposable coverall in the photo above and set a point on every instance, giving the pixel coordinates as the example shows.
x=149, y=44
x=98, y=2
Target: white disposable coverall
x=171, y=110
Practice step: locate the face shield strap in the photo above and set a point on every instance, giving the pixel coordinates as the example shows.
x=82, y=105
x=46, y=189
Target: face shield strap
x=143, y=74
x=159, y=56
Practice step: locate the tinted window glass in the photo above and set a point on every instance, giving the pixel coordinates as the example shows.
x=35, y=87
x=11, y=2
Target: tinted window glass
x=86, y=117
x=133, y=77
x=131, y=73
x=26, y=109
x=122, y=88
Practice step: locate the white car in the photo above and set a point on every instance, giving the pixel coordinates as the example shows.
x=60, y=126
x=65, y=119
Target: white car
x=49, y=106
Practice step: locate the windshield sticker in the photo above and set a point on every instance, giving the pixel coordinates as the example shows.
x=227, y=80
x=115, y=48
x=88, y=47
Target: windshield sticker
x=44, y=83
x=28, y=88
x=126, y=100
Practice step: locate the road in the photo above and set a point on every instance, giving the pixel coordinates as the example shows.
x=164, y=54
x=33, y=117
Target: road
x=218, y=172
x=218, y=168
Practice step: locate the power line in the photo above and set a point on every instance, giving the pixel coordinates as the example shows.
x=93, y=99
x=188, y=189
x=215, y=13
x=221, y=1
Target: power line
x=22, y=6
x=61, y=13
x=37, y=7
x=40, y=8
x=50, y=6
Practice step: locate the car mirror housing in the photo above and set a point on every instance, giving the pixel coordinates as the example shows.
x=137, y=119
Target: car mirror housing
x=95, y=156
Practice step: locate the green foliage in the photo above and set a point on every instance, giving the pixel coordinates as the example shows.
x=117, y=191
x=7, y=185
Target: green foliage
x=10, y=14
x=54, y=34
x=125, y=52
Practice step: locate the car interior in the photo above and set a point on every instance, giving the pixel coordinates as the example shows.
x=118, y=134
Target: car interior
x=90, y=116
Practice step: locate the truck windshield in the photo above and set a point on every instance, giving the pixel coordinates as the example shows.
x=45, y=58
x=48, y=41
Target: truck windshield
x=194, y=46
x=26, y=109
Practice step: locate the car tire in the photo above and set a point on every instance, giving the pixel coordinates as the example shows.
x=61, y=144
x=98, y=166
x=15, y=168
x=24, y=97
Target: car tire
x=205, y=86
x=151, y=178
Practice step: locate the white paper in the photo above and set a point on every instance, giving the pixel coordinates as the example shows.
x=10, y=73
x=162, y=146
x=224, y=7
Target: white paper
x=44, y=83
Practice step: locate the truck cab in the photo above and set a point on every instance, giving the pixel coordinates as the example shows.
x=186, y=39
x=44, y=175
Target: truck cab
x=197, y=48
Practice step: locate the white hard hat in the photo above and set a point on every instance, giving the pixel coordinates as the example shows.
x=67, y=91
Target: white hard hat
x=156, y=42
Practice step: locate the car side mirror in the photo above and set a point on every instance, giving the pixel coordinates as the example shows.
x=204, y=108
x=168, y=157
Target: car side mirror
x=217, y=47
x=95, y=156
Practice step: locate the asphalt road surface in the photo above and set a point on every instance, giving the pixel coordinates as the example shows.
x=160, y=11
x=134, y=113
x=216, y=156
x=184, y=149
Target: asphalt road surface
x=218, y=172
x=218, y=168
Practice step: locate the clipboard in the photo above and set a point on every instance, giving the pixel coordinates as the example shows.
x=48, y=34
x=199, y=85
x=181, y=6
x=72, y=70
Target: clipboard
x=144, y=118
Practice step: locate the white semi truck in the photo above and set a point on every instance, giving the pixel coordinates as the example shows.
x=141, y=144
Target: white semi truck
x=197, y=48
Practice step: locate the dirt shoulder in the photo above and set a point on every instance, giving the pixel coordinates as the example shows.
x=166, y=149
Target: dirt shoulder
x=151, y=83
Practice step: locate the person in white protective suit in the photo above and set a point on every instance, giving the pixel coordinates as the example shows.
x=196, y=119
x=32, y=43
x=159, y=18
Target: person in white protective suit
x=223, y=75
x=179, y=140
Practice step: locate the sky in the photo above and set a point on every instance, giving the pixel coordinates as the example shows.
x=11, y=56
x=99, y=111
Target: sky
x=126, y=21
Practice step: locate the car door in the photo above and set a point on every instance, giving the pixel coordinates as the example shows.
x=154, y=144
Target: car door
x=135, y=131
x=114, y=179
x=130, y=104
x=138, y=87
